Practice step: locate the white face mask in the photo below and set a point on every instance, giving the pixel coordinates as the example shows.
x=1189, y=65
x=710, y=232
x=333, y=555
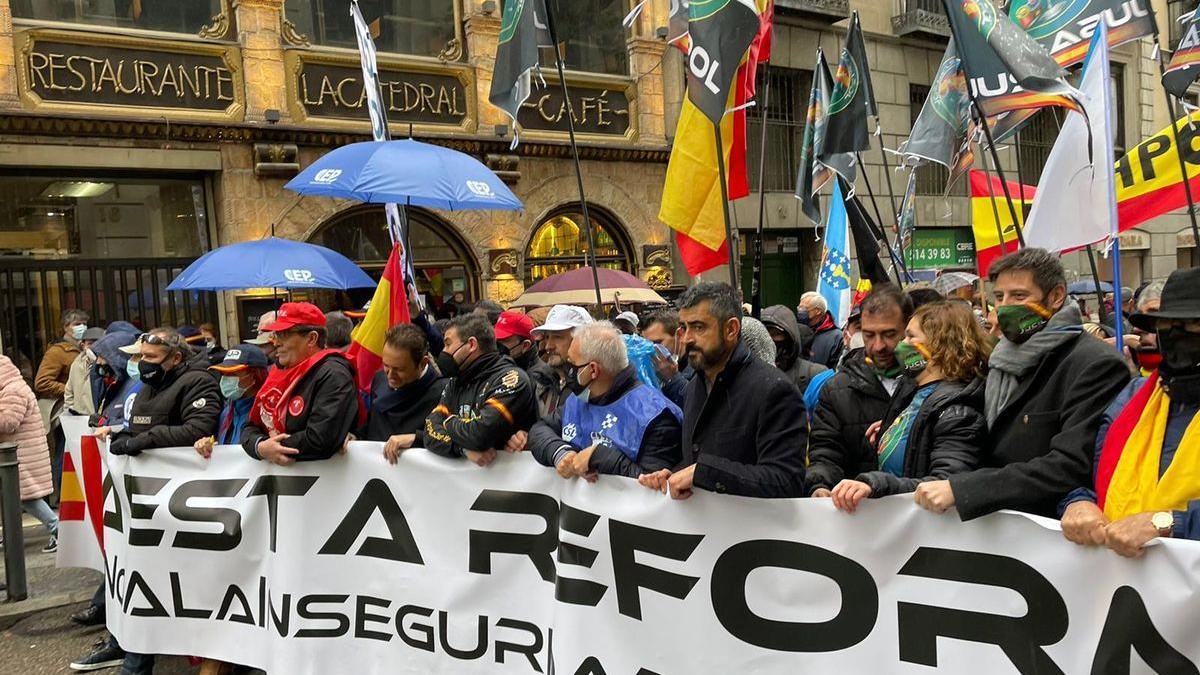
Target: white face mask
x=856, y=341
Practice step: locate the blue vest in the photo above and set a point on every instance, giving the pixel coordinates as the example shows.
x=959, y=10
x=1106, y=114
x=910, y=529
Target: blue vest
x=620, y=424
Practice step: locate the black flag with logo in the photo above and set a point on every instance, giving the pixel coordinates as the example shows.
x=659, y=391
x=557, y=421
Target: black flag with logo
x=1185, y=62
x=516, y=57
x=850, y=102
x=866, y=240
x=720, y=31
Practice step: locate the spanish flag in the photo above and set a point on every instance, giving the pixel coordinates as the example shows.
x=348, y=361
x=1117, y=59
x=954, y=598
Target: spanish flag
x=389, y=306
x=983, y=218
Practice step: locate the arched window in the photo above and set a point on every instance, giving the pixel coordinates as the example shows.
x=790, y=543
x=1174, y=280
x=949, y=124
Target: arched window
x=559, y=244
x=444, y=264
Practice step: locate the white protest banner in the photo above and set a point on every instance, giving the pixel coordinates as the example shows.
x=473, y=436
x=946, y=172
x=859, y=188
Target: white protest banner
x=82, y=476
x=437, y=566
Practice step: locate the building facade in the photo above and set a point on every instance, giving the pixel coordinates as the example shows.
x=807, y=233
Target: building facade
x=136, y=136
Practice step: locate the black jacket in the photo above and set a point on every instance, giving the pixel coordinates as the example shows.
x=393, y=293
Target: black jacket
x=746, y=436
x=826, y=347
x=799, y=369
x=659, y=448
x=548, y=390
x=179, y=412
x=947, y=437
x=489, y=401
x=329, y=411
x=403, y=410
x=1040, y=447
x=850, y=401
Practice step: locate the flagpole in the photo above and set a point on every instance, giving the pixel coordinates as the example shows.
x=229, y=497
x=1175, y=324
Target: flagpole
x=1091, y=254
x=1183, y=173
x=995, y=209
x=987, y=134
x=756, y=278
x=729, y=244
x=897, y=264
x=1118, y=316
x=587, y=220
x=887, y=174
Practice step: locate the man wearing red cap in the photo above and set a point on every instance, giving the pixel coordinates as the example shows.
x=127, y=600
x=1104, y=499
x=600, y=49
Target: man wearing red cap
x=309, y=404
x=514, y=338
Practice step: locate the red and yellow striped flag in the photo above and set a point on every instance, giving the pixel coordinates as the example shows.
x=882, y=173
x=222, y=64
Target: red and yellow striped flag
x=389, y=306
x=983, y=218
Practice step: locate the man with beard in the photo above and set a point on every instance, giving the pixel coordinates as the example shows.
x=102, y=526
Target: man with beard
x=859, y=394
x=514, y=339
x=1152, y=492
x=487, y=400
x=1048, y=384
x=785, y=333
x=556, y=334
x=309, y=403
x=743, y=423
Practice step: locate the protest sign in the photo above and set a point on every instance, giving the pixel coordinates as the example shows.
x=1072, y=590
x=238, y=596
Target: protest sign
x=439, y=566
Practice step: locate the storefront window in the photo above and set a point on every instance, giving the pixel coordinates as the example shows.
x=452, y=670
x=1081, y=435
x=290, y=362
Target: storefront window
x=178, y=16
x=560, y=244
x=420, y=27
x=442, y=262
x=594, y=36
x=102, y=217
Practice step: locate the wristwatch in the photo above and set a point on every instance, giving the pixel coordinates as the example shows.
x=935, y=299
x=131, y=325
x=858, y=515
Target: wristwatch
x=1164, y=522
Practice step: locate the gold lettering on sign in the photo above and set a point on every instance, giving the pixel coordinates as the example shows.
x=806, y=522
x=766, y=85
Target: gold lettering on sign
x=400, y=96
x=62, y=72
x=598, y=106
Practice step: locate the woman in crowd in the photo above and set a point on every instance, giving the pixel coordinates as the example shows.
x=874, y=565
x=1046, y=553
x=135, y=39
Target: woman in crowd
x=938, y=429
x=21, y=422
x=242, y=374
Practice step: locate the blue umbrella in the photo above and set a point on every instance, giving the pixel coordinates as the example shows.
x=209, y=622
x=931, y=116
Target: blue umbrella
x=1088, y=287
x=405, y=172
x=271, y=263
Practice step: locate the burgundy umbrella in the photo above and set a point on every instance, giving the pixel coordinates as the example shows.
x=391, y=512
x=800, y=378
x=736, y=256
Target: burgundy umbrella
x=576, y=288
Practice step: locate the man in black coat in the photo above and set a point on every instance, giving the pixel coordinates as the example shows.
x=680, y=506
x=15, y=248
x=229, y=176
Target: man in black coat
x=1047, y=388
x=858, y=396
x=487, y=400
x=826, y=345
x=309, y=403
x=622, y=428
x=744, y=429
x=403, y=392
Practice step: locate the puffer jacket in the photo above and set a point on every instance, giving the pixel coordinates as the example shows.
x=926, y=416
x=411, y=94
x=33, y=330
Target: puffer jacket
x=20, y=421
x=799, y=370
x=947, y=437
x=850, y=402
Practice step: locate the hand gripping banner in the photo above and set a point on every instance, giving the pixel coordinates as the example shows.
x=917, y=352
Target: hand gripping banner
x=435, y=566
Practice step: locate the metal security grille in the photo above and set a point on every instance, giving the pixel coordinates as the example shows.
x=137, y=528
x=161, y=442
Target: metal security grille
x=785, y=128
x=33, y=294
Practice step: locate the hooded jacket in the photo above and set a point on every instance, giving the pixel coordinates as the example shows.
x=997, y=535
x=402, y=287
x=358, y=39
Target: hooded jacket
x=947, y=437
x=800, y=371
x=851, y=401
x=110, y=398
x=21, y=422
x=747, y=434
x=481, y=408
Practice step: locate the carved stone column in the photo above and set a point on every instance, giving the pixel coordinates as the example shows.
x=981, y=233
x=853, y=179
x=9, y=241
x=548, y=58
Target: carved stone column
x=259, y=25
x=483, y=33
x=646, y=57
x=8, y=59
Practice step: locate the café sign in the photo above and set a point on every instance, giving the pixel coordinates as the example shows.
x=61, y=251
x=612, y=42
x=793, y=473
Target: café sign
x=328, y=87
x=67, y=71
x=601, y=109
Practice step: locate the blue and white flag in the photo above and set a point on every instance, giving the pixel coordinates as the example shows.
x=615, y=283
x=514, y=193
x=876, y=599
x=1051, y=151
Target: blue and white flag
x=834, y=283
x=396, y=220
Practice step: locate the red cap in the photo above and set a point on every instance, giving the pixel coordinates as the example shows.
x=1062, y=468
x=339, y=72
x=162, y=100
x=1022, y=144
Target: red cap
x=292, y=314
x=514, y=323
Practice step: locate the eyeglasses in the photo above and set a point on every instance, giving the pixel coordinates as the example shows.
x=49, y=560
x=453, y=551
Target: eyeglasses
x=173, y=342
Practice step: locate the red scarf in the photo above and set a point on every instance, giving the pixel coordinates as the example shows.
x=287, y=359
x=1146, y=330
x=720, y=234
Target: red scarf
x=826, y=324
x=1118, y=435
x=275, y=396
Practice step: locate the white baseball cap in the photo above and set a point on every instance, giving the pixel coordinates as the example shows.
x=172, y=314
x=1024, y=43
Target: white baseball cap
x=630, y=317
x=565, y=317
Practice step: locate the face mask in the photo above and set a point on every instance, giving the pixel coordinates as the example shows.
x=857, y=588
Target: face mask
x=152, y=373
x=503, y=349
x=78, y=331
x=132, y=370
x=104, y=370
x=913, y=358
x=231, y=387
x=802, y=318
x=888, y=373
x=447, y=364
x=1021, y=322
x=90, y=354
x=1180, y=367
x=857, y=342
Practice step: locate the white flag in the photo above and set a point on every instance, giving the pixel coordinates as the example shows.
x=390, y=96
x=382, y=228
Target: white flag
x=1076, y=203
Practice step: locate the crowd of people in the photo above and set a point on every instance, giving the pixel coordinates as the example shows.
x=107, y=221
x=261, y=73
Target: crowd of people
x=1015, y=404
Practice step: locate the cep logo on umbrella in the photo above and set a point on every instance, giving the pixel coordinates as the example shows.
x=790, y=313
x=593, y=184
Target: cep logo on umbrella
x=300, y=276
x=480, y=188
x=327, y=175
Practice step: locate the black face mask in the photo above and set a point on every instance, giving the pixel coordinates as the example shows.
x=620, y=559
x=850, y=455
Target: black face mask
x=1180, y=367
x=446, y=363
x=152, y=374
x=104, y=370
x=785, y=354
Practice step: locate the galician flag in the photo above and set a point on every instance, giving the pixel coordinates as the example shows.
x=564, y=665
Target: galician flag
x=1076, y=203
x=834, y=282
